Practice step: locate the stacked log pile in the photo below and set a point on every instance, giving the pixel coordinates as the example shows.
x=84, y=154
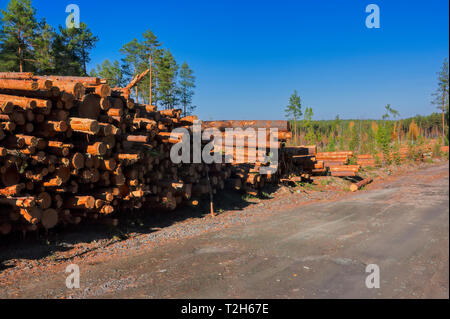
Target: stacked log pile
x=247, y=154
x=303, y=161
x=365, y=160
x=71, y=149
x=337, y=163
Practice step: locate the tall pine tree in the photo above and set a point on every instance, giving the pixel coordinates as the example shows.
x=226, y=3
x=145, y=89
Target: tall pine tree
x=133, y=59
x=151, y=49
x=42, y=45
x=18, y=25
x=186, y=89
x=294, y=110
x=167, y=79
x=441, y=96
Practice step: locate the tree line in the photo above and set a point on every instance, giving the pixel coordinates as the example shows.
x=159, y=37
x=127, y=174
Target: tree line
x=372, y=136
x=31, y=45
x=172, y=85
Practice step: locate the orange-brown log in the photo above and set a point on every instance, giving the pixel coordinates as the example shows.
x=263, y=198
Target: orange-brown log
x=84, y=125
x=79, y=202
x=6, y=107
x=356, y=186
x=98, y=148
x=31, y=215
x=23, y=85
x=49, y=218
x=12, y=190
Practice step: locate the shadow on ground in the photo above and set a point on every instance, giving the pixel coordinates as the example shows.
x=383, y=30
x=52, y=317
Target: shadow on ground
x=39, y=245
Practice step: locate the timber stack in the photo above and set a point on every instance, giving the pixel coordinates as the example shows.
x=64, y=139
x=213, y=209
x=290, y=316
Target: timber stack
x=301, y=161
x=73, y=149
x=249, y=148
x=305, y=160
x=337, y=163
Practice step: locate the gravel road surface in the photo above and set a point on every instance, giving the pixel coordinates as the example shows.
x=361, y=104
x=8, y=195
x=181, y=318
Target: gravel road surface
x=319, y=250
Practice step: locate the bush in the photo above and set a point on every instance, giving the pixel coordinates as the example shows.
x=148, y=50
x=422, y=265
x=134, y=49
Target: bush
x=437, y=149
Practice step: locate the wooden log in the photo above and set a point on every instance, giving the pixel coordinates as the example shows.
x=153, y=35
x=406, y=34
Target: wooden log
x=44, y=200
x=25, y=85
x=79, y=202
x=25, y=202
x=6, y=107
x=77, y=161
x=222, y=125
x=60, y=78
x=98, y=148
x=82, y=125
x=12, y=190
x=16, y=75
x=53, y=126
x=356, y=186
x=102, y=90
x=26, y=103
x=31, y=215
x=343, y=174
x=89, y=107
x=49, y=218
x=8, y=126
x=76, y=89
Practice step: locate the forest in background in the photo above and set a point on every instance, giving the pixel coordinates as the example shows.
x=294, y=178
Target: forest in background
x=29, y=45
x=373, y=136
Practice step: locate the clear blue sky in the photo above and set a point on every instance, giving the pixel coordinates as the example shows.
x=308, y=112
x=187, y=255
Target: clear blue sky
x=249, y=56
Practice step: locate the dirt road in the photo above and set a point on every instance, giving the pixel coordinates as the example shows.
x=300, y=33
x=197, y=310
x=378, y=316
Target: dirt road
x=315, y=251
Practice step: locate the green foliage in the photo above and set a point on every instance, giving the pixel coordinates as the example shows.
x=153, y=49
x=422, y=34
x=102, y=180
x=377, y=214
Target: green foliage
x=396, y=154
x=113, y=72
x=331, y=147
x=18, y=28
x=355, y=141
x=441, y=96
x=437, y=149
x=384, y=143
x=27, y=45
x=167, y=78
x=43, y=53
x=414, y=152
x=310, y=136
x=187, y=84
x=294, y=109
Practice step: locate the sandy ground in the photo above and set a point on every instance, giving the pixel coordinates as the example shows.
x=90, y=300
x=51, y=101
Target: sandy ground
x=307, y=243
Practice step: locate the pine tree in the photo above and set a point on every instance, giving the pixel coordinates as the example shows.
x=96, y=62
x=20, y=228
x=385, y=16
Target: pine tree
x=152, y=52
x=355, y=140
x=294, y=110
x=441, y=96
x=133, y=59
x=66, y=60
x=307, y=124
x=84, y=42
x=113, y=72
x=167, y=78
x=186, y=90
x=18, y=25
x=42, y=45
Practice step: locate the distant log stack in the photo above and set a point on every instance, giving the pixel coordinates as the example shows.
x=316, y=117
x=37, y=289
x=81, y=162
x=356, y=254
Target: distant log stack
x=306, y=159
x=249, y=146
